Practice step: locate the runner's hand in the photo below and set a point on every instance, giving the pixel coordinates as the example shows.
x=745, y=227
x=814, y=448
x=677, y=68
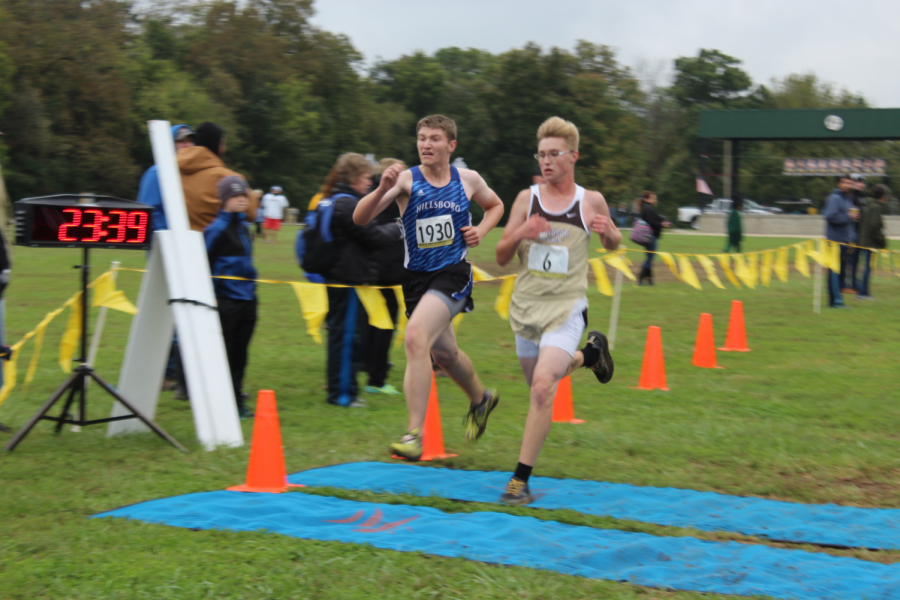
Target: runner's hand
x=389, y=177
x=472, y=235
x=600, y=224
x=534, y=227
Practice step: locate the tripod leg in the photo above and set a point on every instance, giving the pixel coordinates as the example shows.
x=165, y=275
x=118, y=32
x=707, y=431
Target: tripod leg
x=40, y=413
x=82, y=402
x=68, y=404
x=158, y=430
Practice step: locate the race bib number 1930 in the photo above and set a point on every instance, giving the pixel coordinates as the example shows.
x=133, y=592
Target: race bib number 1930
x=545, y=260
x=434, y=232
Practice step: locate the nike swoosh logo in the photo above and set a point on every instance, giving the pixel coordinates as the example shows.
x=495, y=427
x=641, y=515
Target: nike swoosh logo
x=570, y=215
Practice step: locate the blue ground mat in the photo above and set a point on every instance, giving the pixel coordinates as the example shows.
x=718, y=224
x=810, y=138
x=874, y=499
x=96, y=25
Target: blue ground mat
x=707, y=511
x=677, y=563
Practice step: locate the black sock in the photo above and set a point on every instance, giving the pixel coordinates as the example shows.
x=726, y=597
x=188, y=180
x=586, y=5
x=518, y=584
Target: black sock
x=523, y=472
x=591, y=355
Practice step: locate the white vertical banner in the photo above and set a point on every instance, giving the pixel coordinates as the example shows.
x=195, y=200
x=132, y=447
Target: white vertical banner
x=141, y=375
x=200, y=341
x=177, y=287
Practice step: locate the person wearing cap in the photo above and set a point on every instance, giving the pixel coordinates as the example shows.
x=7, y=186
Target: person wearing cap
x=274, y=203
x=201, y=169
x=231, y=253
x=838, y=228
x=149, y=192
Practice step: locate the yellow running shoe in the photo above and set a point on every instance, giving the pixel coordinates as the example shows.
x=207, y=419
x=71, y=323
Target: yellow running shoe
x=477, y=417
x=409, y=446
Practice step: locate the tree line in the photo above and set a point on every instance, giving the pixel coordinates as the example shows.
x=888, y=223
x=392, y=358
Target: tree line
x=80, y=78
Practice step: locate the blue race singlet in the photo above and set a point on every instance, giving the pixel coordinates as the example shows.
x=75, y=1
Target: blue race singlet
x=432, y=223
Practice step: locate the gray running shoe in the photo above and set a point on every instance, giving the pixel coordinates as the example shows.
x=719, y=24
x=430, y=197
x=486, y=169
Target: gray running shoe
x=517, y=493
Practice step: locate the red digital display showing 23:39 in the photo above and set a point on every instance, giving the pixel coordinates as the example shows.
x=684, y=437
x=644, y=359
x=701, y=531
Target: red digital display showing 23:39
x=90, y=225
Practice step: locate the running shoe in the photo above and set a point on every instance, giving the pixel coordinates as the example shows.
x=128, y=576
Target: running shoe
x=603, y=368
x=409, y=446
x=385, y=389
x=517, y=493
x=477, y=417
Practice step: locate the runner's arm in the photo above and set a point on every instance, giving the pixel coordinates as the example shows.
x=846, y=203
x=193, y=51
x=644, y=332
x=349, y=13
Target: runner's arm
x=601, y=223
x=490, y=202
x=519, y=228
x=394, y=181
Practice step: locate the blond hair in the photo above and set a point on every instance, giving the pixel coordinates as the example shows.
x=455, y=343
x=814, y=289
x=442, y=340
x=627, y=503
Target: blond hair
x=384, y=163
x=439, y=122
x=557, y=127
x=348, y=168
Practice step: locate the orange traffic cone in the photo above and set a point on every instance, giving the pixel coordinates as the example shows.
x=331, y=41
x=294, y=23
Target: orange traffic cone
x=705, y=344
x=432, y=432
x=653, y=370
x=265, y=471
x=736, y=340
x=563, y=407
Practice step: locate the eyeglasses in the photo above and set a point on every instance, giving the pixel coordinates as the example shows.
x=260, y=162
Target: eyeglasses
x=551, y=154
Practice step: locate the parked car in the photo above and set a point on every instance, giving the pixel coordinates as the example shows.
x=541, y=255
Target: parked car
x=797, y=206
x=719, y=206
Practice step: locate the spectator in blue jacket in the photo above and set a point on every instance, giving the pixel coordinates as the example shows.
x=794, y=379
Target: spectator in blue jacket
x=231, y=253
x=839, y=228
x=149, y=192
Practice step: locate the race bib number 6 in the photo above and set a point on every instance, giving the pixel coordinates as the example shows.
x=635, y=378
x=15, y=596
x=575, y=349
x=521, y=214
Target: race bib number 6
x=434, y=232
x=545, y=260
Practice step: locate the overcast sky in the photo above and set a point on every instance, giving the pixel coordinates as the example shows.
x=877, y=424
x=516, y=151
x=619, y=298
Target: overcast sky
x=835, y=40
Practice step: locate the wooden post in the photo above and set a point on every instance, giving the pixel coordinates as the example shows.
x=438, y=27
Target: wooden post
x=101, y=320
x=614, y=315
x=817, y=289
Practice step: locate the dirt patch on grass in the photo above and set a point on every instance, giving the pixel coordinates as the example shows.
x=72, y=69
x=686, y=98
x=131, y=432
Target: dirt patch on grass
x=861, y=491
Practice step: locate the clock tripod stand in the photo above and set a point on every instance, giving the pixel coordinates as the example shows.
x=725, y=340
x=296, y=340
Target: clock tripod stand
x=77, y=387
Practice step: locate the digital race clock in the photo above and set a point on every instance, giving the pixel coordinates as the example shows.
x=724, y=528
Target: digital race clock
x=82, y=221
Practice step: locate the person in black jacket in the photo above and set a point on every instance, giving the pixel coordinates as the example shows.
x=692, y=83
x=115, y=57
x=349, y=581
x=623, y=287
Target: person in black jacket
x=231, y=253
x=390, y=273
x=357, y=263
x=647, y=211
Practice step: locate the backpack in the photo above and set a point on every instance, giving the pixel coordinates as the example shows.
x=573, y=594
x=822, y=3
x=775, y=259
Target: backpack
x=641, y=232
x=314, y=246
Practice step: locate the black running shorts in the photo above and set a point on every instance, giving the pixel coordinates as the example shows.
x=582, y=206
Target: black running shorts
x=454, y=281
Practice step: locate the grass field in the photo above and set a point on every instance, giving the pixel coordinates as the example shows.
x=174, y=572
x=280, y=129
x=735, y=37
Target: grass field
x=810, y=415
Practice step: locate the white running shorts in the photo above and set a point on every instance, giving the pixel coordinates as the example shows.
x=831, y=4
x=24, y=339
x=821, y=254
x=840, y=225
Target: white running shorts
x=567, y=337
